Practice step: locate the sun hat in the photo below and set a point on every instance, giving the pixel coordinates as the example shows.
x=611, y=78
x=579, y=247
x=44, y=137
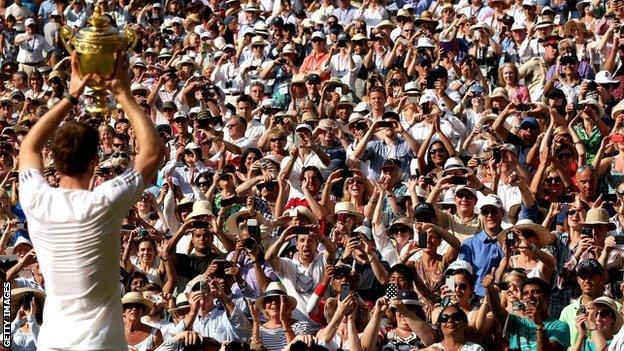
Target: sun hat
x=605, y=77
x=137, y=298
x=544, y=236
x=424, y=19
x=186, y=60
x=345, y=207
x=490, y=200
x=258, y=40
x=181, y=304
x=543, y=22
x=595, y=103
x=483, y=26
x=399, y=222
x=231, y=223
x=612, y=305
x=597, y=216
x=17, y=297
x=276, y=289
x=454, y=163
x=200, y=208
x=299, y=211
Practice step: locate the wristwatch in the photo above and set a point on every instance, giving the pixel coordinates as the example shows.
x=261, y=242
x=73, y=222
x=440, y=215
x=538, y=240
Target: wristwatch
x=71, y=99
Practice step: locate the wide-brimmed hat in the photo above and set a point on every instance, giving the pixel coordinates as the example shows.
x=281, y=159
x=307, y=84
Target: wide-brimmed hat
x=299, y=211
x=605, y=77
x=573, y=25
x=385, y=24
x=617, y=109
x=288, y=49
x=164, y=53
x=258, y=40
x=544, y=236
x=181, y=304
x=186, y=60
x=345, y=207
x=252, y=7
x=17, y=296
x=491, y=3
x=201, y=208
x=399, y=222
x=582, y=4
x=595, y=103
x=483, y=26
x=276, y=289
x=543, y=22
x=136, y=297
x=454, y=163
x=597, y=216
x=609, y=302
x=232, y=227
x=499, y=92
x=425, y=18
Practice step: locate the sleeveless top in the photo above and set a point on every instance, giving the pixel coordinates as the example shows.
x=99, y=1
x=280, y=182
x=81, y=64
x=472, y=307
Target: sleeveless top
x=147, y=343
x=614, y=177
x=533, y=273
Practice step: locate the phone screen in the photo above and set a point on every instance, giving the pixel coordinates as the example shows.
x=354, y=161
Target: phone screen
x=345, y=290
x=450, y=283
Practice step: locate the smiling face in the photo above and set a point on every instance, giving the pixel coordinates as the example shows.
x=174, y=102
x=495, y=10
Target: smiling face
x=146, y=251
x=492, y=217
x=452, y=319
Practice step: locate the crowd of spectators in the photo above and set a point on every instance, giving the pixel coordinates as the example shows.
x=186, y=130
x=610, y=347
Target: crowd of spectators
x=381, y=175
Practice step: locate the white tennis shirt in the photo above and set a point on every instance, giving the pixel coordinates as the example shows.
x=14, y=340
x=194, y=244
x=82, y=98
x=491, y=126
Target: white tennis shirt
x=75, y=234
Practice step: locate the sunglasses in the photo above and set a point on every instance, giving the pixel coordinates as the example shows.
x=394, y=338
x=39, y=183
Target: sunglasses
x=572, y=212
x=457, y=317
x=119, y=145
x=119, y=154
x=564, y=155
x=437, y=151
x=277, y=139
x=552, y=180
x=604, y=313
x=489, y=211
x=206, y=183
x=567, y=62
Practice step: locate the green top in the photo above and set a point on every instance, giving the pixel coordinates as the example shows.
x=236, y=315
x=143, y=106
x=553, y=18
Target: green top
x=590, y=141
x=522, y=333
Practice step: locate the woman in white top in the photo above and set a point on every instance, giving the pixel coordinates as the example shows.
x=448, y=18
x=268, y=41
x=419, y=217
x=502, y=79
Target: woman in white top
x=372, y=12
x=453, y=323
x=146, y=261
x=25, y=326
x=139, y=336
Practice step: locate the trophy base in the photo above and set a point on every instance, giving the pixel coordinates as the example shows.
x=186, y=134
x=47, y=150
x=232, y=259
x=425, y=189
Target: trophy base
x=100, y=104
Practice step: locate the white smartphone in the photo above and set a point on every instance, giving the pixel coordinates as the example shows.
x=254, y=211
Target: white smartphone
x=450, y=283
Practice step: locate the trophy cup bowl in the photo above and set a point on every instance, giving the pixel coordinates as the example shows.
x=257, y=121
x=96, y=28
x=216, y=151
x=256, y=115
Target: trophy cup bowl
x=98, y=46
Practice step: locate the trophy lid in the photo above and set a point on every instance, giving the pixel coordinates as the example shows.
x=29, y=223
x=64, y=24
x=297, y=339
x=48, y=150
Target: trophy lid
x=100, y=26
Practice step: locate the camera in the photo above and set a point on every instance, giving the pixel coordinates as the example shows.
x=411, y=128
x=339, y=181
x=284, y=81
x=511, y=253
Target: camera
x=587, y=232
x=250, y=244
x=510, y=239
x=208, y=91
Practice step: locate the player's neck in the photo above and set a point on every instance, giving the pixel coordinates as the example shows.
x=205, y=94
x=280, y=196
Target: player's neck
x=80, y=182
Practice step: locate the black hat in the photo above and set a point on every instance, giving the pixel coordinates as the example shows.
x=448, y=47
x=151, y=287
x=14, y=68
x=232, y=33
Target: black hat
x=277, y=21
x=556, y=94
x=402, y=269
x=391, y=115
x=342, y=270
x=424, y=209
x=343, y=37
x=313, y=78
x=391, y=162
x=591, y=266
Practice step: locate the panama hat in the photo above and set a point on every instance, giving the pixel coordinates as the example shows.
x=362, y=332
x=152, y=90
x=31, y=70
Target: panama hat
x=137, y=298
x=186, y=60
x=258, y=40
x=425, y=18
x=454, y=163
x=200, y=208
x=609, y=302
x=299, y=211
x=276, y=289
x=483, y=26
x=544, y=236
x=181, y=304
x=347, y=208
x=595, y=103
x=597, y=216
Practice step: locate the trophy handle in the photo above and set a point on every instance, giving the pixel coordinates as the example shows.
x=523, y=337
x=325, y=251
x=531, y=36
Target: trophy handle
x=66, y=37
x=129, y=40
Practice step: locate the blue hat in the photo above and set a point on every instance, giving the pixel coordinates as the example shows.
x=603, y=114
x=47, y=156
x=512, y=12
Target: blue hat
x=409, y=297
x=477, y=88
x=529, y=122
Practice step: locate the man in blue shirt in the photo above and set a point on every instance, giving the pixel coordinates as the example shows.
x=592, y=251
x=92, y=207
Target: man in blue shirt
x=482, y=250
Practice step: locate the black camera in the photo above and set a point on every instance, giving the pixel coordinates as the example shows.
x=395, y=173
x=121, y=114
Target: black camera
x=250, y=244
x=208, y=91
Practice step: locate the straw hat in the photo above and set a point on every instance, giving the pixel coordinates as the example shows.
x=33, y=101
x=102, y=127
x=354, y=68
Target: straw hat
x=232, y=227
x=181, y=304
x=201, y=208
x=544, y=236
x=595, y=103
x=276, y=289
x=345, y=207
x=597, y=216
x=136, y=297
x=299, y=211
x=258, y=40
x=543, y=22
x=288, y=49
x=572, y=25
x=609, y=302
x=17, y=296
x=454, y=163
x=483, y=26
x=425, y=18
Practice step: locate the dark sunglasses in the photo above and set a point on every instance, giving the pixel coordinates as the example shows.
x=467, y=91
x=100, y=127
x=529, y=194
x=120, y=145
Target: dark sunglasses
x=457, y=317
x=489, y=211
x=552, y=180
x=437, y=151
x=604, y=313
x=119, y=145
x=564, y=155
x=572, y=212
x=567, y=62
x=205, y=183
x=278, y=139
x=120, y=154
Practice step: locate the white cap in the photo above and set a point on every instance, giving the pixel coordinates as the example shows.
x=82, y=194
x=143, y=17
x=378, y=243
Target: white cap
x=304, y=126
x=459, y=265
x=180, y=114
x=428, y=96
x=529, y=3
x=138, y=86
x=318, y=34
x=22, y=240
x=491, y=200
x=518, y=25
x=191, y=146
x=465, y=188
x=362, y=107
x=425, y=43
x=605, y=77
x=29, y=21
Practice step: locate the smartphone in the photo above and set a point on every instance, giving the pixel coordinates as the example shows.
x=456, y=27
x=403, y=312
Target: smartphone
x=609, y=197
x=568, y=198
x=200, y=225
x=345, y=290
x=28, y=296
x=496, y=154
x=523, y=107
x=203, y=288
x=297, y=140
x=422, y=240
x=619, y=239
x=581, y=310
x=386, y=124
x=617, y=138
x=450, y=282
x=426, y=108
x=301, y=230
x=392, y=291
x=20, y=226
x=458, y=180
x=346, y=173
x=503, y=286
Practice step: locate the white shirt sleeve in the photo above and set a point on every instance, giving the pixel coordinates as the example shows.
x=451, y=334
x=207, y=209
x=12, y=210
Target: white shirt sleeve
x=30, y=182
x=122, y=191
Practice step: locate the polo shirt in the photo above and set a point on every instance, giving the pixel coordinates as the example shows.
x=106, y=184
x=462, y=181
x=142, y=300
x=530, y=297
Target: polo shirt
x=483, y=253
x=522, y=333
